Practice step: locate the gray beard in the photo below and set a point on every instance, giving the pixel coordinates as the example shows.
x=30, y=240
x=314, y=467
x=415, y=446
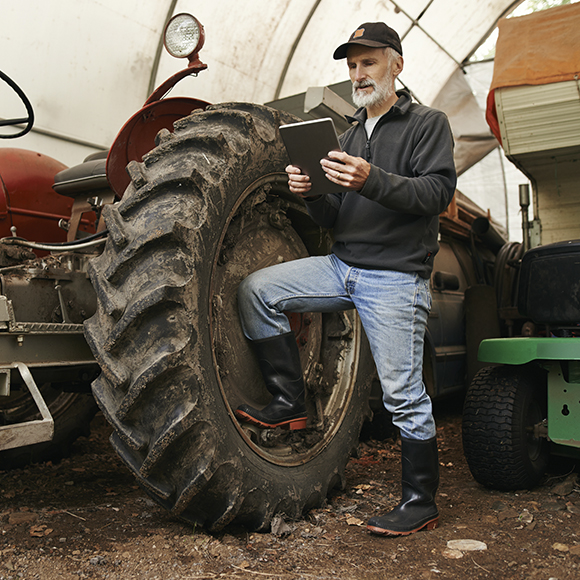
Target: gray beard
x=382, y=91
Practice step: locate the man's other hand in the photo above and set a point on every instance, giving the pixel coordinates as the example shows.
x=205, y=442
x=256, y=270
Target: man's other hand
x=298, y=182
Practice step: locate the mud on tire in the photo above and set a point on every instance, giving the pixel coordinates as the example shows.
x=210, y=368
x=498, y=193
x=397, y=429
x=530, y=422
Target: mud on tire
x=205, y=208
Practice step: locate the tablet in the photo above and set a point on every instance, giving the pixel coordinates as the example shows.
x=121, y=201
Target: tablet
x=307, y=143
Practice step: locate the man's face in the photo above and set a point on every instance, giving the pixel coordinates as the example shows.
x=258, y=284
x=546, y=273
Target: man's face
x=372, y=73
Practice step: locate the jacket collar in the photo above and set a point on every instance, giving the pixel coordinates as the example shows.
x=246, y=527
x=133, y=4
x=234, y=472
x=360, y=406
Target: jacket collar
x=401, y=107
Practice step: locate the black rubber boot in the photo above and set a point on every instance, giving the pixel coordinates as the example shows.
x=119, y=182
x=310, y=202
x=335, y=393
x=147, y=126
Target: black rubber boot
x=279, y=361
x=420, y=480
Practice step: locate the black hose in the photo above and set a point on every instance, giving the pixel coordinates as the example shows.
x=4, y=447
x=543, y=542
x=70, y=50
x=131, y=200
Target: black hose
x=508, y=253
x=55, y=244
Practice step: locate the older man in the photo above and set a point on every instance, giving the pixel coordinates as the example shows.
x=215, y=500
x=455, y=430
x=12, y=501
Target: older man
x=398, y=175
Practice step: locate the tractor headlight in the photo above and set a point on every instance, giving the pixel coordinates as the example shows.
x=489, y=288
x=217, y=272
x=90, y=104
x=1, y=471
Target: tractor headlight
x=184, y=36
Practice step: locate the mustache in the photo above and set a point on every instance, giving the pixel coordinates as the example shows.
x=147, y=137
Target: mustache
x=364, y=84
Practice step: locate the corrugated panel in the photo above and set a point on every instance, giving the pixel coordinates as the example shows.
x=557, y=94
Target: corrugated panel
x=539, y=118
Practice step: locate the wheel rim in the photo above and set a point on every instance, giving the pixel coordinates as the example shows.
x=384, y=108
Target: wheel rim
x=258, y=234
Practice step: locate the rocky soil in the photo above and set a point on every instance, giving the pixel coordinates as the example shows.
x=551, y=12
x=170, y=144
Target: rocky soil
x=86, y=518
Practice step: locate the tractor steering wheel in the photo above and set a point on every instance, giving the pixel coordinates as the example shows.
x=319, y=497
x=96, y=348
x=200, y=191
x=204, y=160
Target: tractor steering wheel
x=28, y=121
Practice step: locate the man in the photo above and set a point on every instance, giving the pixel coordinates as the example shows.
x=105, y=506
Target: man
x=398, y=175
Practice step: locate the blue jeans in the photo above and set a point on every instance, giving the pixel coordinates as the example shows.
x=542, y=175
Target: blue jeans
x=393, y=308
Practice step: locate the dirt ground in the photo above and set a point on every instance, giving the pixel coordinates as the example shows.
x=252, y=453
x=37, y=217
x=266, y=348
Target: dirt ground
x=86, y=518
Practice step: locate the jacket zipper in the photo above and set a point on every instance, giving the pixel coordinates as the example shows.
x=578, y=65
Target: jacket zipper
x=368, y=155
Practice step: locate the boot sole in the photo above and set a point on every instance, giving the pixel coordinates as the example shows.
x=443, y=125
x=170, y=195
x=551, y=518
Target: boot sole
x=430, y=525
x=291, y=424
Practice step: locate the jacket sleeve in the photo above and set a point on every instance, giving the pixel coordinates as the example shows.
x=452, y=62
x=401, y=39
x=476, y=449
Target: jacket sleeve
x=324, y=209
x=429, y=188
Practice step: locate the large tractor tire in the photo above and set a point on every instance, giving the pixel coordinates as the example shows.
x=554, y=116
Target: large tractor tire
x=72, y=414
x=503, y=409
x=205, y=208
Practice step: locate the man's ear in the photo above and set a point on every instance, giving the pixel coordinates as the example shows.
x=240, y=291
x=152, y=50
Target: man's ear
x=398, y=66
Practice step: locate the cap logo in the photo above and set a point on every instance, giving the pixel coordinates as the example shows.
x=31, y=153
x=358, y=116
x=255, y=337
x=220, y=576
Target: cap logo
x=360, y=32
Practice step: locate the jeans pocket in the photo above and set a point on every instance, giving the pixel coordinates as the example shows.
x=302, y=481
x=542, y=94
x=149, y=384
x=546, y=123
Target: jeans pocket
x=423, y=297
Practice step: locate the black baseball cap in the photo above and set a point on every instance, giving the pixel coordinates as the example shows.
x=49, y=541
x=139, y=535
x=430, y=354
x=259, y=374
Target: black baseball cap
x=373, y=34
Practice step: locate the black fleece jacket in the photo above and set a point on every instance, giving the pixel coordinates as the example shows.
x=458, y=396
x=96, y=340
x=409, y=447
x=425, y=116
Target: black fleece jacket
x=392, y=223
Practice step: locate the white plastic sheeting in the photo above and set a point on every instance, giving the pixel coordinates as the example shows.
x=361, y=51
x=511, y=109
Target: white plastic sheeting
x=88, y=65
x=493, y=182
